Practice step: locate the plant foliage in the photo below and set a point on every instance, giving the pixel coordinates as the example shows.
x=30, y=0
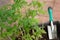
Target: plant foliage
x=18, y=20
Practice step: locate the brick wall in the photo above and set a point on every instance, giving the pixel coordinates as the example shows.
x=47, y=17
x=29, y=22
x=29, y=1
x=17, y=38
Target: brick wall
x=43, y=18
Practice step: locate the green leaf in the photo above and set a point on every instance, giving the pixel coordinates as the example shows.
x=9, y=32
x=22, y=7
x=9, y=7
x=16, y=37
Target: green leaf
x=32, y=13
x=21, y=24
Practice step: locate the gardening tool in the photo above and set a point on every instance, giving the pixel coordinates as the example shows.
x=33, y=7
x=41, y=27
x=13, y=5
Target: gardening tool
x=52, y=29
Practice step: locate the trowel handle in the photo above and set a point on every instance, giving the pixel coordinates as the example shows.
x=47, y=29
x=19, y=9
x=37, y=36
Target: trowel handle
x=50, y=13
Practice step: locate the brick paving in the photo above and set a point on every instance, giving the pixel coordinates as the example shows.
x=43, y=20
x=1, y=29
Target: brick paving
x=56, y=10
x=43, y=18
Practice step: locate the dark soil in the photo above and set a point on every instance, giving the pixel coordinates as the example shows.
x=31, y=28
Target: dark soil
x=45, y=36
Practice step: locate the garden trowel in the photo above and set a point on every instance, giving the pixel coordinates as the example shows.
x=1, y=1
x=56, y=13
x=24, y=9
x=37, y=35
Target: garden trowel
x=52, y=29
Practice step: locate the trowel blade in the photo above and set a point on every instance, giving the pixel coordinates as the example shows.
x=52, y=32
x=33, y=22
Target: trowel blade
x=52, y=33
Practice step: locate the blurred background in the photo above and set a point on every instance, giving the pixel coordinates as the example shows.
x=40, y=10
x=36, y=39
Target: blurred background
x=55, y=4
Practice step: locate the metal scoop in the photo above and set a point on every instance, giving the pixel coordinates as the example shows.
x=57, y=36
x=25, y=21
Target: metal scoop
x=52, y=29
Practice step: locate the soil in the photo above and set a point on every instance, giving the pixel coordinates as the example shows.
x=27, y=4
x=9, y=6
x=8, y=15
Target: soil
x=45, y=36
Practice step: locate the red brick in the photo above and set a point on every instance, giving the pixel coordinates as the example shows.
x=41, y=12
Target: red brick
x=43, y=18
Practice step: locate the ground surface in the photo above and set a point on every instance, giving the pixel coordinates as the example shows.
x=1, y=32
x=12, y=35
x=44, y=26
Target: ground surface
x=43, y=18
